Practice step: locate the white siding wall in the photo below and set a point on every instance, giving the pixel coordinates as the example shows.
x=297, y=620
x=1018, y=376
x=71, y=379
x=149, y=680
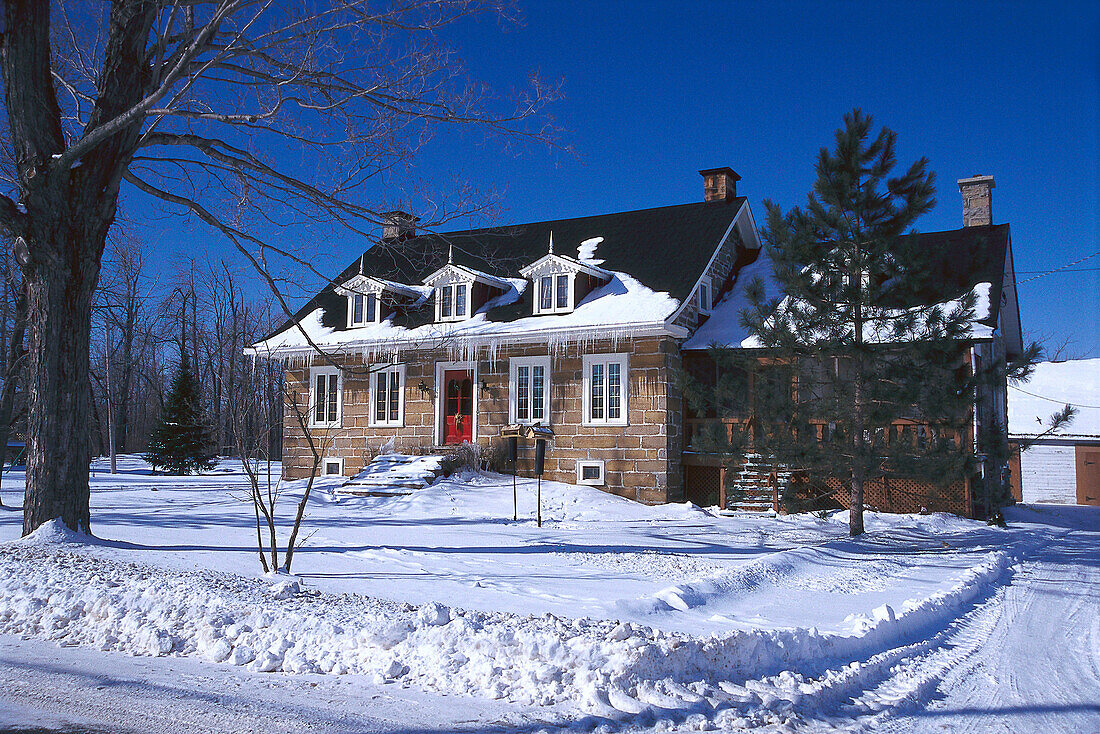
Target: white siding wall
x=1047, y=474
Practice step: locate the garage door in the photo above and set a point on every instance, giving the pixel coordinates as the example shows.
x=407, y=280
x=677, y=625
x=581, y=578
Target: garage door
x=1088, y=475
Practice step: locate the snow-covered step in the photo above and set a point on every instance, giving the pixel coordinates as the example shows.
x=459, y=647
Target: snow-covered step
x=394, y=474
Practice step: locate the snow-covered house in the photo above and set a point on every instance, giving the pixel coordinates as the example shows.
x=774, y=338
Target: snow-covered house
x=1062, y=467
x=579, y=324
x=437, y=339
x=974, y=258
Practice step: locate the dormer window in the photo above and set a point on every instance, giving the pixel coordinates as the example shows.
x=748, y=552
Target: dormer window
x=460, y=291
x=363, y=309
x=554, y=292
x=371, y=300
x=453, y=301
x=560, y=282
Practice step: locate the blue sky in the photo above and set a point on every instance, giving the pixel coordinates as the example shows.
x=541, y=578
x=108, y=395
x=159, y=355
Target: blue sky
x=655, y=92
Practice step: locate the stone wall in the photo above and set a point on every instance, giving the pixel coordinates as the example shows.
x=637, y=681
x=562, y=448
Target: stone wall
x=719, y=271
x=642, y=459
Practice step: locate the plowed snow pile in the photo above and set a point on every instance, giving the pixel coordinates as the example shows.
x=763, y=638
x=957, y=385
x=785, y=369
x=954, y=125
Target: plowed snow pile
x=723, y=641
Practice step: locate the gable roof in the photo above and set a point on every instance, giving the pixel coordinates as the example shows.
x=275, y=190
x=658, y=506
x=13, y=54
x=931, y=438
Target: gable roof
x=664, y=249
x=960, y=259
x=955, y=262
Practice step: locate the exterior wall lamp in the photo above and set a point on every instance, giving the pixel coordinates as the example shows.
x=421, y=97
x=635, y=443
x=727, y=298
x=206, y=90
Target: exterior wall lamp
x=423, y=388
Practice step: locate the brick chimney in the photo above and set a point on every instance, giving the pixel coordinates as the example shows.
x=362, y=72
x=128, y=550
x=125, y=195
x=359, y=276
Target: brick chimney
x=977, y=193
x=719, y=184
x=398, y=225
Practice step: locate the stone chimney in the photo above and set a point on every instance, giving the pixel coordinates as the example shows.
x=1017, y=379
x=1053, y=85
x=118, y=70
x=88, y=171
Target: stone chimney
x=719, y=184
x=398, y=225
x=977, y=193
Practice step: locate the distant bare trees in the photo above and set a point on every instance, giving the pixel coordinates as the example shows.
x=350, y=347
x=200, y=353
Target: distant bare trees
x=145, y=316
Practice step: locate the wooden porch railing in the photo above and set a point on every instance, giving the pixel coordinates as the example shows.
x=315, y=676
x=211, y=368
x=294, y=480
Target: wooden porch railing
x=909, y=431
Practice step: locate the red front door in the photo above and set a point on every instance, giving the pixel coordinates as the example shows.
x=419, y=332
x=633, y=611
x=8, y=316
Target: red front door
x=458, y=406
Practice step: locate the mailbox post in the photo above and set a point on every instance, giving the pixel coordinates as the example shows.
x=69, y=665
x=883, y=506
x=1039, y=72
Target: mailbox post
x=542, y=435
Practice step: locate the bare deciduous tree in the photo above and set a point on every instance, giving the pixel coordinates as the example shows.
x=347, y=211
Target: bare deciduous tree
x=243, y=114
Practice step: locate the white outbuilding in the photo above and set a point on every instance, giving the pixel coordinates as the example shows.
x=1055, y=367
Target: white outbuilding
x=1064, y=466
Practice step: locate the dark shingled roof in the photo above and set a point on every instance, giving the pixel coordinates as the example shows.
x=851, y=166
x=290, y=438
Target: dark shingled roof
x=959, y=259
x=666, y=249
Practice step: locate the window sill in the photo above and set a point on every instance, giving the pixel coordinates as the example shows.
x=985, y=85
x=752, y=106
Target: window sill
x=323, y=426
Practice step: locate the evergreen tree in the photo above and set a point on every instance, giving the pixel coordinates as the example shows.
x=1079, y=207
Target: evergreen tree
x=180, y=444
x=856, y=373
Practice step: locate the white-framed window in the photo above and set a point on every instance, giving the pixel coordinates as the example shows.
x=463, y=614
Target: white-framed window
x=332, y=466
x=326, y=397
x=387, y=395
x=529, y=390
x=554, y=293
x=705, y=296
x=591, y=472
x=453, y=302
x=363, y=308
x=605, y=389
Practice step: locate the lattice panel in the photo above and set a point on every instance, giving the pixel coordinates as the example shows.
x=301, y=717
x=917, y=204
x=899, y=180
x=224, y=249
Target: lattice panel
x=702, y=485
x=908, y=495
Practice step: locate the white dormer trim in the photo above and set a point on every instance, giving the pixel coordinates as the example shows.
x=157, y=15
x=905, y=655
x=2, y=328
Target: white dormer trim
x=370, y=291
x=453, y=273
x=454, y=288
x=563, y=263
x=552, y=268
x=369, y=288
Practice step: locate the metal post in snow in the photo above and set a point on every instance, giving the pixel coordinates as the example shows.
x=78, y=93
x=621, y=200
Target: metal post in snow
x=540, y=464
x=513, y=446
x=107, y=391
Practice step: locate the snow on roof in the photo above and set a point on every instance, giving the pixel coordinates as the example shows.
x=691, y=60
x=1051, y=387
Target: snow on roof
x=586, y=251
x=492, y=280
x=724, y=325
x=1054, y=384
x=423, y=292
x=878, y=329
x=357, y=283
x=618, y=309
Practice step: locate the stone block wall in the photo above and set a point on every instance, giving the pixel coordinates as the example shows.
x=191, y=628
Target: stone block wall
x=719, y=271
x=642, y=458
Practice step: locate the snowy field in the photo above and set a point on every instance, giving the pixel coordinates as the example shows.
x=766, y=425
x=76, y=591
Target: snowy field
x=436, y=611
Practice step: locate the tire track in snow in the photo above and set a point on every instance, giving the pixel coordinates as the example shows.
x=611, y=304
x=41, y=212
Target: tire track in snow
x=1025, y=661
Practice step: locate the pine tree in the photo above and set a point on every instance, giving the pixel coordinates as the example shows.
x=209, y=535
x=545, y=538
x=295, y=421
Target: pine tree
x=855, y=349
x=180, y=444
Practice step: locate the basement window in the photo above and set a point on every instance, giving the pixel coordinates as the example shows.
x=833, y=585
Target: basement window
x=333, y=467
x=590, y=473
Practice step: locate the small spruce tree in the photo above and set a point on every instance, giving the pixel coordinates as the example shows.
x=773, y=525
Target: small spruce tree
x=180, y=444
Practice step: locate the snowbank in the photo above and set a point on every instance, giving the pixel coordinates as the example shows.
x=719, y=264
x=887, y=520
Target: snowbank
x=65, y=593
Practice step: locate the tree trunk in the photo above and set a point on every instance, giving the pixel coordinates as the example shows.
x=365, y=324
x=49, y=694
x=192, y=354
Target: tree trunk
x=855, y=522
x=13, y=364
x=59, y=307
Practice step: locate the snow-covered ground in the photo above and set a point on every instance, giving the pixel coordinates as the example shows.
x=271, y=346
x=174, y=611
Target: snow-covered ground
x=612, y=614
